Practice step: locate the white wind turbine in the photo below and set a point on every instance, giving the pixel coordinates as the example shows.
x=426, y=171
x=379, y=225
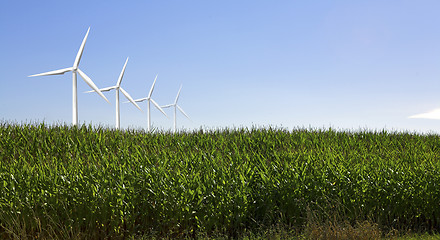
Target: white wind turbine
x=75, y=70
x=175, y=107
x=118, y=87
x=149, y=99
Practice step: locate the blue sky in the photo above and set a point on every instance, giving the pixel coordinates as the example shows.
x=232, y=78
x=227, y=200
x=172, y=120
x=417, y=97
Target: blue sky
x=341, y=64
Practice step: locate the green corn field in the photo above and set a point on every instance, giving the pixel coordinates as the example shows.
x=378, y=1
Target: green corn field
x=100, y=182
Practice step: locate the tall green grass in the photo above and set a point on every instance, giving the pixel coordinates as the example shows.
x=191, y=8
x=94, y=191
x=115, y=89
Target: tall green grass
x=60, y=181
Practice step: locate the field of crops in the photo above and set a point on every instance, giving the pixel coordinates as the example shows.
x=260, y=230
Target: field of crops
x=61, y=181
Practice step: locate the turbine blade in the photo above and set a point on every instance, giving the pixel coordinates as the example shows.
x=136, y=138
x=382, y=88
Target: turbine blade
x=91, y=84
x=167, y=106
x=102, y=89
x=80, y=52
x=129, y=98
x=181, y=110
x=152, y=87
x=122, y=74
x=138, y=100
x=158, y=107
x=178, y=93
x=55, y=72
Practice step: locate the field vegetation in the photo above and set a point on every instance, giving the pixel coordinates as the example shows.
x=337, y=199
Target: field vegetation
x=61, y=182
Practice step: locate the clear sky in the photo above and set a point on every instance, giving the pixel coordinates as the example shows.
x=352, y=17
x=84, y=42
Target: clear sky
x=341, y=64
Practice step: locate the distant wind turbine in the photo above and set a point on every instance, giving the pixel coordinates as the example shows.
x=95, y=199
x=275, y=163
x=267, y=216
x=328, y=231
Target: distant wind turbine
x=175, y=107
x=149, y=99
x=118, y=87
x=75, y=70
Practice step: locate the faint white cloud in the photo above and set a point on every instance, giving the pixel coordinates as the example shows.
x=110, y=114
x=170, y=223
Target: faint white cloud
x=434, y=114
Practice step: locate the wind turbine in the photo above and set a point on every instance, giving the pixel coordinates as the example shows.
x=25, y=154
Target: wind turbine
x=175, y=107
x=149, y=99
x=75, y=70
x=118, y=87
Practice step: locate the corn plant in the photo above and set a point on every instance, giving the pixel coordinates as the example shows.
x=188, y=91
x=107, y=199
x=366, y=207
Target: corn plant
x=61, y=180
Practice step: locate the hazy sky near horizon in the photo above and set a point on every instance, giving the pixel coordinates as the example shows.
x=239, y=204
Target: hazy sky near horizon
x=341, y=64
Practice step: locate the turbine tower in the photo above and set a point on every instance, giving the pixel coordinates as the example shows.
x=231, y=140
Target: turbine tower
x=149, y=99
x=175, y=107
x=118, y=87
x=75, y=70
